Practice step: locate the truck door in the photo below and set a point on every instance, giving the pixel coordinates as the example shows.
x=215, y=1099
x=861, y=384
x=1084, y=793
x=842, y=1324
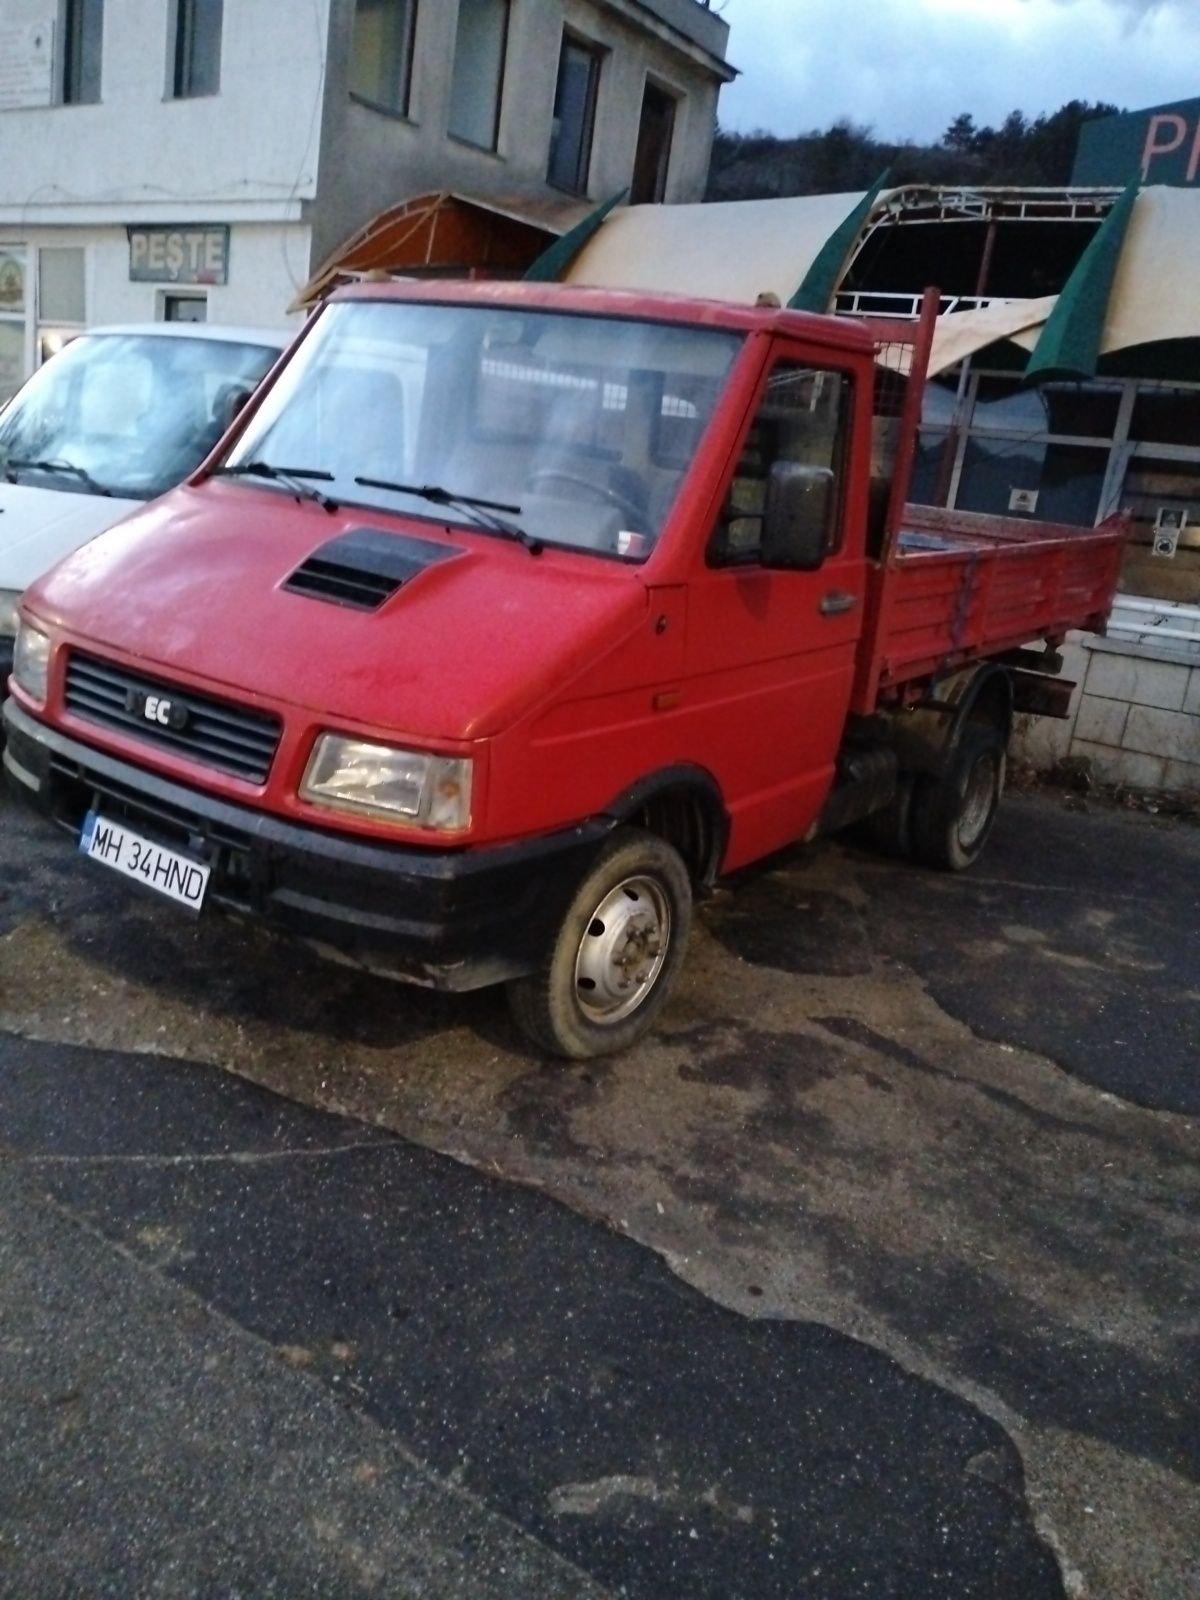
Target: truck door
x=772, y=652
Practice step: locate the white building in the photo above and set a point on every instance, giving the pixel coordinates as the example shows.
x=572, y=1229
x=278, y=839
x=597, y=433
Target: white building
x=168, y=159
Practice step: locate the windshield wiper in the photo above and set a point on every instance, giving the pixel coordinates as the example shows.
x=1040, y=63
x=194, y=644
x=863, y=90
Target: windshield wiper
x=293, y=478
x=25, y=464
x=483, y=512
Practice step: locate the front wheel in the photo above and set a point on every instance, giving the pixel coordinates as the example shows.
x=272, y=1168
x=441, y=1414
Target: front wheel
x=952, y=815
x=617, y=953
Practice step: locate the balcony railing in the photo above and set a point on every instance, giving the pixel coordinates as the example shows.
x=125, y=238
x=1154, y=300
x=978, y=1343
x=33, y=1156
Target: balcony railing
x=875, y=303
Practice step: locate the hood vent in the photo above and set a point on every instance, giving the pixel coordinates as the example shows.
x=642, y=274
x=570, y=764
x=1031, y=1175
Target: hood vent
x=365, y=566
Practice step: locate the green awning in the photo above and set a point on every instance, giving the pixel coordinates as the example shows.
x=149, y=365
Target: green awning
x=1070, y=343
x=823, y=277
x=556, y=258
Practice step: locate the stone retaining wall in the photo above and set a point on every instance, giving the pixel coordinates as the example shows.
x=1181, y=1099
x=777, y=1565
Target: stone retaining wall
x=1135, y=714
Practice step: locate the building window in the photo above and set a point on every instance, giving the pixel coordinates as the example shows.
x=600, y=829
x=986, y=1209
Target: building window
x=1070, y=452
x=381, y=52
x=477, y=85
x=653, y=157
x=60, y=284
x=196, y=56
x=184, y=308
x=1009, y=450
x=61, y=310
x=574, y=116
x=12, y=320
x=83, y=40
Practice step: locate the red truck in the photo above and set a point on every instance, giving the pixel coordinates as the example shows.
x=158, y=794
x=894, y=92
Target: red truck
x=508, y=616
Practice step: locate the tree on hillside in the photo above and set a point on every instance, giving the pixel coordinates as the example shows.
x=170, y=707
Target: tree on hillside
x=1041, y=152
x=843, y=157
x=962, y=133
x=846, y=156
x=1053, y=139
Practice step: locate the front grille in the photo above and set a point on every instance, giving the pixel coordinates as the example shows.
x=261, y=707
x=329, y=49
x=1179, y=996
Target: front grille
x=213, y=732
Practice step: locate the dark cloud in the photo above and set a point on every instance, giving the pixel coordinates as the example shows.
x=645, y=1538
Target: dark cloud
x=907, y=67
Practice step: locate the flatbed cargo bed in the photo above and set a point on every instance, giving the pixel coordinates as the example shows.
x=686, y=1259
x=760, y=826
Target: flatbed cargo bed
x=959, y=586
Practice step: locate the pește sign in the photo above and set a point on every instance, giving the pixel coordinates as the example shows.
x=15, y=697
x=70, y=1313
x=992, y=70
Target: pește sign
x=179, y=255
x=1161, y=145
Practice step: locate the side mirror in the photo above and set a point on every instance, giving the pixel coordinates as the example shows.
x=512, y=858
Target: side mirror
x=799, y=504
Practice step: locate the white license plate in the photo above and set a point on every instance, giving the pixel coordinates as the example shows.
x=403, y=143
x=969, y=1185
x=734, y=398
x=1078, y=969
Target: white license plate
x=173, y=875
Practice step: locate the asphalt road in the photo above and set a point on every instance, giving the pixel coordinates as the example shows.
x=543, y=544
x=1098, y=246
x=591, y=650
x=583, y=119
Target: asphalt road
x=554, y=1371
x=874, y=1273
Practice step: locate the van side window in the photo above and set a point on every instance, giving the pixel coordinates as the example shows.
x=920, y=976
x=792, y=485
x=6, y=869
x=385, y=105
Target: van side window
x=803, y=417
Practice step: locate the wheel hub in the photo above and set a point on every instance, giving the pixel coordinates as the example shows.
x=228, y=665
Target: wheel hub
x=978, y=801
x=622, y=950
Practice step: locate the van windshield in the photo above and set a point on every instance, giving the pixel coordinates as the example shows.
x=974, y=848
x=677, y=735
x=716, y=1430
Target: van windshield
x=126, y=414
x=577, y=428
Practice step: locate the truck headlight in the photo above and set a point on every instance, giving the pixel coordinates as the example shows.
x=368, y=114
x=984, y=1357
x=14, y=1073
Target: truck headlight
x=9, y=600
x=31, y=661
x=402, y=786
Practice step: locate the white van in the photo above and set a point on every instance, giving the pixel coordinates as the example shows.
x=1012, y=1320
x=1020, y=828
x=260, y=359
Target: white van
x=119, y=416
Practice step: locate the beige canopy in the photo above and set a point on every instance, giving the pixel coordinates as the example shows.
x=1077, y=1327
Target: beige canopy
x=740, y=249
x=960, y=334
x=1156, y=293
x=734, y=250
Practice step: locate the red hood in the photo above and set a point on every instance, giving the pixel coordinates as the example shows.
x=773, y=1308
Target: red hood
x=192, y=586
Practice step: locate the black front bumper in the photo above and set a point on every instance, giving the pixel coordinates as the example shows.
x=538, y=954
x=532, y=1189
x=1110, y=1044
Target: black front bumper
x=449, y=919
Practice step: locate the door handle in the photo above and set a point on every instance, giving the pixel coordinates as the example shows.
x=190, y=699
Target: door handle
x=836, y=602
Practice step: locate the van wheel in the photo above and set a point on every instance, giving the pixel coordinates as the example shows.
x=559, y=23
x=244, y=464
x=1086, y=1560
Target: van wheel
x=952, y=815
x=617, y=953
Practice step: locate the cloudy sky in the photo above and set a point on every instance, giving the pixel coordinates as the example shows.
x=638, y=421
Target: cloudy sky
x=907, y=67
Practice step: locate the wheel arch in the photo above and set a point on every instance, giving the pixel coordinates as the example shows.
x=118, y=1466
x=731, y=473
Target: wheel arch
x=989, y=698
x=684, y=805
x=926, y=736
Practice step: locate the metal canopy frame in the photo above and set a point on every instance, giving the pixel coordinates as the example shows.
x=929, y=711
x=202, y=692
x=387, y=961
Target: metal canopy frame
x=931, y=205
x=923, y=203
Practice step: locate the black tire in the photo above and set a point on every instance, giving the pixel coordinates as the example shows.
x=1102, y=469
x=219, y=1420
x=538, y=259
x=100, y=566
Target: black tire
x=952, y=815
x=888, y=831
x=617, y=954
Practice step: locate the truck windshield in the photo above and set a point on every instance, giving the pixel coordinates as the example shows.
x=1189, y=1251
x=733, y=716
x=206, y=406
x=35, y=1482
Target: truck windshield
x=125, y=414
x=579, y=428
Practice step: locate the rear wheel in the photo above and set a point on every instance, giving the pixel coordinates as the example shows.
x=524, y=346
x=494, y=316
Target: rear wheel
x=617, y=953
x=952, y=815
